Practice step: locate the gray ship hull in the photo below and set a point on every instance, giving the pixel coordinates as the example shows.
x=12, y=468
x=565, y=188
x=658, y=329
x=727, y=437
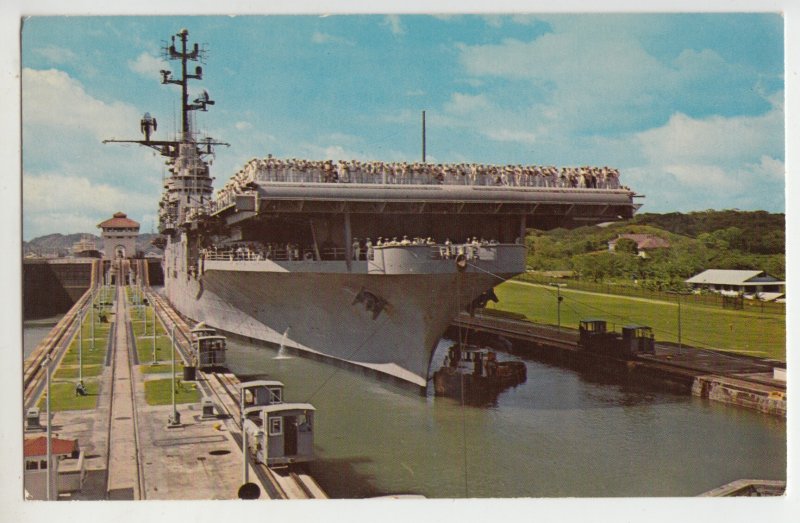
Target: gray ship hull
x=318, y=313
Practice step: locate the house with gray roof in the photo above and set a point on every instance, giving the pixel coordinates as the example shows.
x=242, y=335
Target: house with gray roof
x=750, y=283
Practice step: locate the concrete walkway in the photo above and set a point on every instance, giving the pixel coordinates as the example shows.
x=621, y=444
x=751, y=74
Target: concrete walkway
x=123, y=467
x=200, y=459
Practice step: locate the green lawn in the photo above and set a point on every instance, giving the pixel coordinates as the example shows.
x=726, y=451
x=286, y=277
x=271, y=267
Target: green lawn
x=100, y=329
x=137, y=321
x=159, y=368
x=64, y=397
x=702, y=326
x=144, y=348
x=68, y=372
x=159, y=392
x=90, y=357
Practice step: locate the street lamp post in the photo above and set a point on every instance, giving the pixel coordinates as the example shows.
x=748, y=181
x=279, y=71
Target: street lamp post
x=245, y=472
x=559, y=299
x=680, y=322
x=154, y=331
x=680, y=339
x=46, y=364
x=175, y=419
x=80, y=349
x=92, y=310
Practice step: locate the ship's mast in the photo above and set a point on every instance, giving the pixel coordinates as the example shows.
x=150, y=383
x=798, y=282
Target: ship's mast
x=166, y=78
x=189, y=184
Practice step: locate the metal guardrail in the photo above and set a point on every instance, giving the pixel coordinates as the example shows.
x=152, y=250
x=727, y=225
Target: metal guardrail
x=472, y=251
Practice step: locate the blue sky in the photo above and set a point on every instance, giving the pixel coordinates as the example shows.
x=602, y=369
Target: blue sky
x=688, y=106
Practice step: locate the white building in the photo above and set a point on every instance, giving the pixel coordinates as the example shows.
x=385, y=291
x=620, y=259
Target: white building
x=752, y=284
x=67, y=461
x=119, y=236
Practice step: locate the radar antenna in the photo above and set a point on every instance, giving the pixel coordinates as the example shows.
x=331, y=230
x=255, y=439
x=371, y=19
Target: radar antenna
x=178, y=49
x=189, y=185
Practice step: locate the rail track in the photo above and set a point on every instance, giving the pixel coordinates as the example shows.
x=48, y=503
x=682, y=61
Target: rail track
x=223, y=389
x=567, y=338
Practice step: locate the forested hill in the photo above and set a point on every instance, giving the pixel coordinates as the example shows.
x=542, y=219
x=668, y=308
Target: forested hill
x=698, y=241
x=61, y=245
x=758, y=232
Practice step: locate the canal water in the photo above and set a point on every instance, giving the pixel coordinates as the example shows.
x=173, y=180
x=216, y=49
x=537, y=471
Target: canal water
x=559, y=434
x=34, y=331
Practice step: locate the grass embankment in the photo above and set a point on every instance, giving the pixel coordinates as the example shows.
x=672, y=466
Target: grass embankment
x=159, y=392
x=161, y=368
x=65, y=398
x=745, y=332
x=144, y=348
x=142, y=322
x=92, y=354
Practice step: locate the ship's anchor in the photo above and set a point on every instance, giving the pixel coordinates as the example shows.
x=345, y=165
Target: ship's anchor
x=372, y=302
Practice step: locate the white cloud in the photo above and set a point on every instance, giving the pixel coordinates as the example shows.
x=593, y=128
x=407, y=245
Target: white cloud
x=63, y=192
x=575, y=77
x=415, y=92
x=57, y=55
x=767, y=168
x=729, y=141
x=521, y=19
x=506, y=135
x=460, y=103
x=697, y=163
x=593, y=76
x=70, y=177
x=243, y=126
x=331, y=152
x=147, y=65
x=66, y=203
x=53, y=99
x=342, y=138
x=395, y=25
x=479, y=114
x=493, y=21
x=695, y=176
x=325, y=38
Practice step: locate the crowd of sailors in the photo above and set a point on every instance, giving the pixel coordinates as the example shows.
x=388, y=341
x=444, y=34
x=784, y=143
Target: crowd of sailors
x=271, y=169
x=359, y=250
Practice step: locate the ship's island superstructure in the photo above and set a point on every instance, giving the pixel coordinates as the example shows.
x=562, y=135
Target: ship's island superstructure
x=360, y=262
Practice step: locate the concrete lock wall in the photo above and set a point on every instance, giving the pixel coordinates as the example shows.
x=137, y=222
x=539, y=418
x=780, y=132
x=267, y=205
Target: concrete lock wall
x=52, y=288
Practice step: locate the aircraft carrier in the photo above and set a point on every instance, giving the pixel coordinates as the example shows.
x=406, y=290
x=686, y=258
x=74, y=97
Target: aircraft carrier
x=363, y=263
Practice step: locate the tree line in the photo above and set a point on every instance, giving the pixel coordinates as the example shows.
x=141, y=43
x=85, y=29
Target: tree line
x=727, y=239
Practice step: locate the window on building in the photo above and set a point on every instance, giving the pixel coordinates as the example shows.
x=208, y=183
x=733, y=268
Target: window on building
x=43, y=464
x=275, y=426
x=275, y=395
x=31, y=465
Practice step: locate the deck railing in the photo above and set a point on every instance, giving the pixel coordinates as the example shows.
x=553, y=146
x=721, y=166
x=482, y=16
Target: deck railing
x=472, y=251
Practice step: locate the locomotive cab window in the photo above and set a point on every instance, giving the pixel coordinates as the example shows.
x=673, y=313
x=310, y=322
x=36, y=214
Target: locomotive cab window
x=275, y=395
x=275, y=426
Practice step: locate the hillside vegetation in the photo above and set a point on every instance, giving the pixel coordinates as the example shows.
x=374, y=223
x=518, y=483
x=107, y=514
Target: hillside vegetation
x=699, y=240
x=61, y=244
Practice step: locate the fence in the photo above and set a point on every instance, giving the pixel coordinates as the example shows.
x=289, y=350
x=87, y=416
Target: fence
x=619, y=289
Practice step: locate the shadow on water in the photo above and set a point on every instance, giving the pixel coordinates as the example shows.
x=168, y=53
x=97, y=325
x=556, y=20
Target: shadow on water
x=548, y=386
x=340, y=479
x=563, y=432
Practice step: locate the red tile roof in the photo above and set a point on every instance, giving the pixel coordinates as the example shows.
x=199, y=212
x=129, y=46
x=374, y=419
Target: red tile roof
x=38, y=446
x=643, y=241
x=120, y=220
